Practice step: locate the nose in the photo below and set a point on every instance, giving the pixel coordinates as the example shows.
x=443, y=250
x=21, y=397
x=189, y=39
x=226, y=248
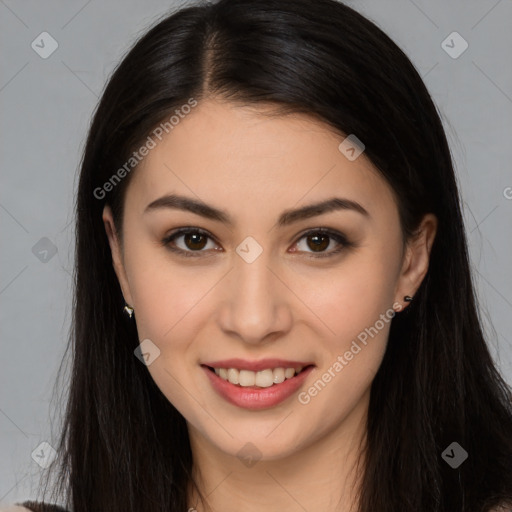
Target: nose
x=255, y=306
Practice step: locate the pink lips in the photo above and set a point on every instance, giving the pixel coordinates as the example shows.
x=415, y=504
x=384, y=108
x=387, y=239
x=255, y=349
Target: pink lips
x=254, y=397
x=256, y=366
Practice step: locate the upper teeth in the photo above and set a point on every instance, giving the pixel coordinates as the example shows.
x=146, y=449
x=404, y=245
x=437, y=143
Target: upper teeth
x=263, y=378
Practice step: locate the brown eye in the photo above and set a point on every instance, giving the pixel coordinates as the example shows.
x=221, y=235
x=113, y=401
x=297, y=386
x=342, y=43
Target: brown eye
x=317, y=241
x=194, y=241
x=188, y=242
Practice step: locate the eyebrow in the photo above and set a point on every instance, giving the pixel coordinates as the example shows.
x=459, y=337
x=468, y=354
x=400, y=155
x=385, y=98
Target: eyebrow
x=288, y=217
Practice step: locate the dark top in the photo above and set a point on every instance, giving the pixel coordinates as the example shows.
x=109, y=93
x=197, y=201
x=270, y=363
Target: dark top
x=39, y=506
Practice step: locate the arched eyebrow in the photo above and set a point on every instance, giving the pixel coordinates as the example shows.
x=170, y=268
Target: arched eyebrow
x=290, y=216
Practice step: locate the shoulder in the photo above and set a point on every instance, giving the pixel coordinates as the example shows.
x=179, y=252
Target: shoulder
x=32, y=506
x=500, y=508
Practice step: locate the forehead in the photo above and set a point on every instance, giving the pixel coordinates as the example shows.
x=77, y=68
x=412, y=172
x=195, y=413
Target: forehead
x=237, y=155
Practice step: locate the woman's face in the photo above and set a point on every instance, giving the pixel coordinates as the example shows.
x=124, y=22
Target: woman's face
x=255, y=280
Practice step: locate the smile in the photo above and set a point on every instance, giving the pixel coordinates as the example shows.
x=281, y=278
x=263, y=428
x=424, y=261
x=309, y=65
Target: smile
x=263, y=379
x=261, y=389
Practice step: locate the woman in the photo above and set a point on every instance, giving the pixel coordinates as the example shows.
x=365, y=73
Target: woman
x=273, y=304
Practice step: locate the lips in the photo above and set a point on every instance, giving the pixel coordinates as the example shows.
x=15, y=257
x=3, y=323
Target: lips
x=255, y=397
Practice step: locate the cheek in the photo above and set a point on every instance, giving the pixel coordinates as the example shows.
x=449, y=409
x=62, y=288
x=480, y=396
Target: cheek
x=358, y=313
x=354, y=305
x=169, y=311
x=162, y=291
x=161, y=300
x=353, y=296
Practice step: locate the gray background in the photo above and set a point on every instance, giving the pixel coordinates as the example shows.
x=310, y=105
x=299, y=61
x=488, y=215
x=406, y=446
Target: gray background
x=46, y=105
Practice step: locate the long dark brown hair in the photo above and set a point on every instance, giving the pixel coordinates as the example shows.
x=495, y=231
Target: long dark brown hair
x=123, y=447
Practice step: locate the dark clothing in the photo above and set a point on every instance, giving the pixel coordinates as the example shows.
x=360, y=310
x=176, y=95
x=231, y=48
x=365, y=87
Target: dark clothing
x=37, y=506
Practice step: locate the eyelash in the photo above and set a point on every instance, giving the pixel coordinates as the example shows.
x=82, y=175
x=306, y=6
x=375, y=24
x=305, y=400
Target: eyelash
x=337, y=237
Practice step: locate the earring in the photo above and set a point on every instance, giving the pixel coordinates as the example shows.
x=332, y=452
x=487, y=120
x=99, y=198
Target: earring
x=408, y=298
x=128, y=310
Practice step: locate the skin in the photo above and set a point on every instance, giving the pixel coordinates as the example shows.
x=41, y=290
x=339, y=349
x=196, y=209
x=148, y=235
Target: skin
x=284, y=304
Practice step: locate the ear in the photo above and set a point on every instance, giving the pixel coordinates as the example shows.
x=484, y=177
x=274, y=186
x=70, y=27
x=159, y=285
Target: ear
x=416, y=259
x=117, y=253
